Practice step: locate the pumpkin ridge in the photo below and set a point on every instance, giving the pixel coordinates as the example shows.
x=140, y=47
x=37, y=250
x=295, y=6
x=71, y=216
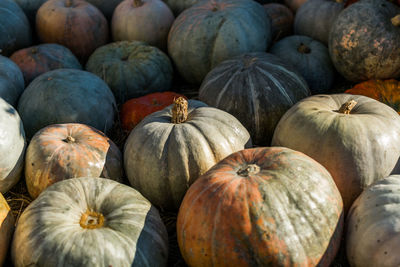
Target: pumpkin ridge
x=223, y=90
x=214, y=42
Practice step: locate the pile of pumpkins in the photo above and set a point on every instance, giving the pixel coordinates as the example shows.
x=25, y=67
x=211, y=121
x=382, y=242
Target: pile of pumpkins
x=268, y=166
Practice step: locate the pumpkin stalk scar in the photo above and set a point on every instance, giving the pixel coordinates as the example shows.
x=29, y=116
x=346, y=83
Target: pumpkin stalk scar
x=91, y=220
x=68, y=3
x=69, y=139
x=179, y=110
x=347, y=107
x=137, y=3
x=249, y=170
x=304, y=49
x=396, y=20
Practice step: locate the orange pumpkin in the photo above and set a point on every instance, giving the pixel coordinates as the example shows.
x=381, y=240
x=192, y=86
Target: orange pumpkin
x=385, y=91
x=134, y=110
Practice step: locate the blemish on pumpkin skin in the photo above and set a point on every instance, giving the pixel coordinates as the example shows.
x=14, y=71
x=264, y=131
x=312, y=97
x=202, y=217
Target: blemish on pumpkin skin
x=348, y=42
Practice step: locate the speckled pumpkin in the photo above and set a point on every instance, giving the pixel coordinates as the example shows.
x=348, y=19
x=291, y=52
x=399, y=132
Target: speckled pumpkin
x=62, y=151
x=210, y=32
x=131, y=69
x=261, y=207
x=168, y=150
x=11, y=81
x=38, y=59
x=90, y=222
x=6, y=228
x=364, y=47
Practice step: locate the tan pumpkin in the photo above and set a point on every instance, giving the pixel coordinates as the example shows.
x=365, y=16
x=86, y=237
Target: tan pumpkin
x=6, y=228
x=62, y=151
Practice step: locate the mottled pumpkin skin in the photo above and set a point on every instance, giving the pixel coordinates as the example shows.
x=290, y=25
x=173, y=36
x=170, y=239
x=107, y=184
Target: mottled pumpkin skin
x=49, y=231
x=106, y=7
x=132, y=69
x=38, y=59
x=64, y=96
x=80, y=26
x=15, y=31
x=366, y=47
x=135, y=110
x=63, y=151
x=213, y=31
x=256, y=88
x=357, y=148
x=163, y=159
x=372, y=237
x=289, y=213
x=316, y=17
x=310, y=57
x=11, y=81
x=6, y=228
x=386, y=91
x=281, y=20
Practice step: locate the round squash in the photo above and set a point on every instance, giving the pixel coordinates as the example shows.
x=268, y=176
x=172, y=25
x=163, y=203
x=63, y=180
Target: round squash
x=177, y=6
x=169, y=149
x=315, y=18
x=11, y=81
x=357, y=141
x=38, y=59
x=261, y=207
x=132, y=69
x=90, y=222
x=367, y=47
x=213, y=31
x=6, y=228
x=67, y=95
x=134, y=110
x=76, y=24
x=15, y=31
x=12, y=146
x=142, y=20
x=372, y=236
x=281, y=20
x=106, y=7
x=62, y=151
x=310, y=57
x=30, y=7
x=294, y=4
x=256, y=88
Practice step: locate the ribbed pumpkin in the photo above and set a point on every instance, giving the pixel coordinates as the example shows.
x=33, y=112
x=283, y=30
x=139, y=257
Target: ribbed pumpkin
x=281, y=20
x=11, y=81
x=261, y=207
x=15, y=31
x=6, y=228
x=131, y=69
x=213, y=31
x=315, y=18
x=385, y=91
x=67, y=95
x=107, y=7
x=357, y=141
x=38, y=59
x=12, y=146
x=359, y=49
x=177, y=6
x=169, y=149
x=142, y=20
x=310, y=57
x=134, y=110
x=76, y=24
x=62, y=151
x=90, y=222
x=257, y=88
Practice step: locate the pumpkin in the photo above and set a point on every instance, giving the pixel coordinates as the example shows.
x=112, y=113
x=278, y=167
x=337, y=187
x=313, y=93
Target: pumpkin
x=67, y=95
x=349, y=2
x=281, y=20
x=294, y=4
x=131, y=69
x=362, y=51
x=30, y=7
x=12, y=146
x=213, y=31
x=38, y=59
x=142, y=20
x=76, y=24
x=15, y=31
x=385, y=91
x=169, y=149
x=6, y=228
x=256, y=88
x=310, y=57
x=62, y=151
x=315, y=18
x=11, y=81
x=177, y=6
x=107, y=7
x=90, y=222
x=261, y=207
x=134, y=110
x=356, y=138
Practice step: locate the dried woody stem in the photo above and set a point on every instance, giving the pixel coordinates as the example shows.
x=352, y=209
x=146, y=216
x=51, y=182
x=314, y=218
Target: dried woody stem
x=347, y=107
x=179, y=110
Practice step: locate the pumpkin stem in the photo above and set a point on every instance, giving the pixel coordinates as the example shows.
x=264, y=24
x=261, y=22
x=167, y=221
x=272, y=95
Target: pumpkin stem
x=34, y=50
x=396, y=20
x=179, y=110
x=68, y=3
x=137, y=3
x=69, y=139
x=303, y=49
x=339, y=1
x=249, y=170
x=347, y=107
x=91, y=220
